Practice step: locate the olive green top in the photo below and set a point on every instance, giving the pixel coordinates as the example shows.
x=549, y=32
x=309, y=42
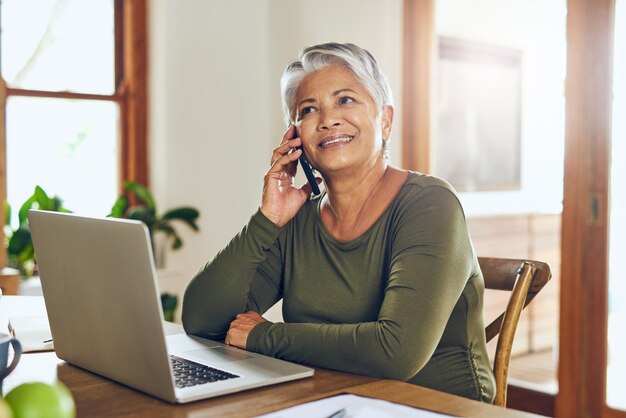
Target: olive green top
x=402, y=301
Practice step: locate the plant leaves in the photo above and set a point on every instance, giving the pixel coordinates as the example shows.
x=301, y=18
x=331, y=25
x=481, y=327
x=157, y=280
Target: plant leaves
x=171, y=233
x=42, y=198
x=177, y=243
x=27, y=254
x=7, y=213
x=20, y=245
x=169, y=301
x=142, y=193
x=141, y=213
x=19, y=241
x=26, y=206
x=186, y=214
x=168, y=304
x=57, y=204
x=117, y=211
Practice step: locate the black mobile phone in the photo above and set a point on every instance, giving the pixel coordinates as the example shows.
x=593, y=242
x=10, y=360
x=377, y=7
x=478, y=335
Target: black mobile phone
x=308, y=171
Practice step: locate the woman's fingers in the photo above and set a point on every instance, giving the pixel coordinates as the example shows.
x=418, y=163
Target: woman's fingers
x=240, y=328
x=281, y=200
x=290, y=140
x=250, y=316
x=290, y=133
x=281, y=164
x=285, y=148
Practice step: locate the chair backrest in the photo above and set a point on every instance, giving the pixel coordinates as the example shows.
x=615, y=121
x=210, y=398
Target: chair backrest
x=524, y=279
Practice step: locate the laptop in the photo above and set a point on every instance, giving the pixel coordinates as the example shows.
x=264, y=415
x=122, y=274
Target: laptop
x=103, y=302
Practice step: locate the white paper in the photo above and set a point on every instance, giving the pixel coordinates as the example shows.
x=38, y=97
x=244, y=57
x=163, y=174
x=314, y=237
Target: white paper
x=33, y=333
x=356, y=407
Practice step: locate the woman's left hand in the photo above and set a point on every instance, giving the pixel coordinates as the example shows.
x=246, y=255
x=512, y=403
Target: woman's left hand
x=240, y=328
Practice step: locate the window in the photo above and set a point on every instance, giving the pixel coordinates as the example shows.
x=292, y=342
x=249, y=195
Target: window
x=477, y=135
x=484, y=107
x=73, y=93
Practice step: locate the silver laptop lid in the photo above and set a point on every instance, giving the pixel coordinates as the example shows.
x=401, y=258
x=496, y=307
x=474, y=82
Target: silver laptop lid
x=99, y=284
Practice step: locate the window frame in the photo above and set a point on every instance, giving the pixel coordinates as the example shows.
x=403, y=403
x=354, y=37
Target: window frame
x=131, y=95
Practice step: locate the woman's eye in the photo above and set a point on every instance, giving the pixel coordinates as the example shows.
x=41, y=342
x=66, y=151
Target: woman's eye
x=346, y=100
x=306, y=111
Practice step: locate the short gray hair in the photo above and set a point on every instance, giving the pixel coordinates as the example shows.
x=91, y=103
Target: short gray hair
x=356, y=59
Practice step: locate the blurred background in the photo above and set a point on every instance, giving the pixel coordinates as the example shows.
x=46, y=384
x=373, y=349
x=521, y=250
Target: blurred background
x=183, y=96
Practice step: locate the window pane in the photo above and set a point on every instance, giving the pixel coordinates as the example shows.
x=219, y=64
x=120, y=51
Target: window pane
x=58, y=45
x=68, y=147
x=499, y=135
x=499, y=105
x=616, y=371
x=478, y=115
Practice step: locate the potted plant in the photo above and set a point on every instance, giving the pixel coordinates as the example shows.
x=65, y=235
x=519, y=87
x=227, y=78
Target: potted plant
x=19, y=244
x=146, y=211
x=21, y=254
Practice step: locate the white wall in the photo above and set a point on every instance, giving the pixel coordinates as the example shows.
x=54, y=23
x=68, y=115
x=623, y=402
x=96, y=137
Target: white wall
x=215, y=111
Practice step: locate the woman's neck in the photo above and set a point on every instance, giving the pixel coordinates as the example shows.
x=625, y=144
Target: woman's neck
x=345, y=193
x=353, y=203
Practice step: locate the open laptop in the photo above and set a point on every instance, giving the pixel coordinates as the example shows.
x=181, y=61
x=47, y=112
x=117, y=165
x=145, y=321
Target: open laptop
x=100, y=287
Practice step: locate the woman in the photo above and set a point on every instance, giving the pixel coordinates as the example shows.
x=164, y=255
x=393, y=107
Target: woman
x=377, y=274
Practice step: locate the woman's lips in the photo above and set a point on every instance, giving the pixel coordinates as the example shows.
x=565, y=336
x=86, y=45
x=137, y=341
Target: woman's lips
x=336, y=139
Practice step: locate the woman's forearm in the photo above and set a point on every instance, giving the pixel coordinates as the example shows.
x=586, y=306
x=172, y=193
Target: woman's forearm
x=222, y=288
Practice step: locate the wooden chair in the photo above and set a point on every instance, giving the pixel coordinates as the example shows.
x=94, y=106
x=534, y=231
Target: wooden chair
x=524, y=278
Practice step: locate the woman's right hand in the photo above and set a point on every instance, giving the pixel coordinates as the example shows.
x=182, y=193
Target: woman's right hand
x=281, y=199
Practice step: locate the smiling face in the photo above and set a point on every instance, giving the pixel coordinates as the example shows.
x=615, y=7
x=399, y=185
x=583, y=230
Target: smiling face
x=340, y=125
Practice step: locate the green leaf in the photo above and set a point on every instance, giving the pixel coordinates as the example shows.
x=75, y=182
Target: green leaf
x=117, y=211
x=26, y=206
x=187, y=215
x=27, y=254
x=168, y=303
x=7, y=213
x=20, y=245
x=19, y=241
x=171, y=233
x=57, y=204
x=142, y=193
x=45, y=202
x=141, y=213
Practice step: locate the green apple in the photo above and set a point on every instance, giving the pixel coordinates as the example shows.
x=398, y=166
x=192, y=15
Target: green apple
x=5, y=409
x=41, y=400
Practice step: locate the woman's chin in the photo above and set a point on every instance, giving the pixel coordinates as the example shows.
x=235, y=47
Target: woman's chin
x=330, y=168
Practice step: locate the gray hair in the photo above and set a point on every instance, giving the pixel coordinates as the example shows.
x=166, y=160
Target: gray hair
x=357, y=60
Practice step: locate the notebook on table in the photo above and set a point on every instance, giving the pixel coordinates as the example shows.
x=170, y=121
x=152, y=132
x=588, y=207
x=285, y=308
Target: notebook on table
x=33, y=333
x=101, y=292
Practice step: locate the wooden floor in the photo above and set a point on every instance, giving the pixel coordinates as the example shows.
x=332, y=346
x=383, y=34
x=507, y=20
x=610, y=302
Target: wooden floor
x=535, y=370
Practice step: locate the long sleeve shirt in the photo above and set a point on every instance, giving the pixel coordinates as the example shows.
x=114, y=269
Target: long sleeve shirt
x=403, y=300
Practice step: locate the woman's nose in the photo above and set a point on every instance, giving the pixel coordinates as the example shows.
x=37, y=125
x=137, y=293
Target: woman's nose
x=329, y=119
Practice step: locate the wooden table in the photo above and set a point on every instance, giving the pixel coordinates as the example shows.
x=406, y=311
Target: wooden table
x=98, y=397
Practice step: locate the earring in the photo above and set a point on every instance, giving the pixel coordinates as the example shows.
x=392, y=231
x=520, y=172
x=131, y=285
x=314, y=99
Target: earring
x=387, y=149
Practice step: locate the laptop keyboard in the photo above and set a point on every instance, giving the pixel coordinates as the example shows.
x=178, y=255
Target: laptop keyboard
x=188, y=373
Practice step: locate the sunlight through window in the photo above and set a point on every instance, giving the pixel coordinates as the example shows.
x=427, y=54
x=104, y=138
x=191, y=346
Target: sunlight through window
x=67, y=143
x=616, y=364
